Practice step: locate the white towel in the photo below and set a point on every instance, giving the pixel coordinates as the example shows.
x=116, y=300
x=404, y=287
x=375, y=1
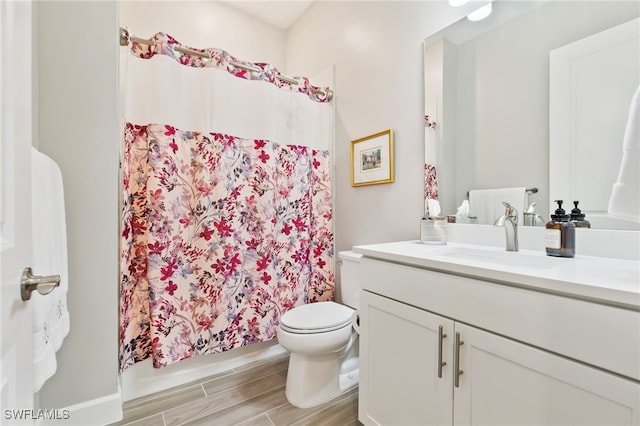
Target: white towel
x=486, y=204
x=625, y=195
x=49, y=241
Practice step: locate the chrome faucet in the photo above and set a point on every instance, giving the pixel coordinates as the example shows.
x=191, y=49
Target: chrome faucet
x=510, y=223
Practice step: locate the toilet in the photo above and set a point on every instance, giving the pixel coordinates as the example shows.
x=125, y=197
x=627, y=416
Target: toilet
x=322, y=338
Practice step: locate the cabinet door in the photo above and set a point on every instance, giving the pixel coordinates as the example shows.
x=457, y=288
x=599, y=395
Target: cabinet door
x=508, y=383
x=400, y=347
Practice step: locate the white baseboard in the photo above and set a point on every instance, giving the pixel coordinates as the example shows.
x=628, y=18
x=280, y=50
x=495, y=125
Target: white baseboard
x=142, y=379
x=100, y=411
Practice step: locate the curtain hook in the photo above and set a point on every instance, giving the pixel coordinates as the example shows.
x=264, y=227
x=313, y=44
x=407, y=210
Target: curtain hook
x=124, y=37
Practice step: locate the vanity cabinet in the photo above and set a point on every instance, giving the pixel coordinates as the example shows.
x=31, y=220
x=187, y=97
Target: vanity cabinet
x=400, y=383
x=433, y=352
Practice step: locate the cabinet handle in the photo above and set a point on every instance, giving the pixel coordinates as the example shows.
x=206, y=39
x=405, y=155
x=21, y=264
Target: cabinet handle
x=441, y=337
x=458, y=372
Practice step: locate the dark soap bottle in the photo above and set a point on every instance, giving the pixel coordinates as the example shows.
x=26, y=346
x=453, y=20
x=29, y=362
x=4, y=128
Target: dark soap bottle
x=577, y=217
x=560, y=234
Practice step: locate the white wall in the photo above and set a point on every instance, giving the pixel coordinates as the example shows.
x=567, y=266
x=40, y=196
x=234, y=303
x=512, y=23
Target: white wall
x=76, y=59
x=376, y=48
x=206, y=24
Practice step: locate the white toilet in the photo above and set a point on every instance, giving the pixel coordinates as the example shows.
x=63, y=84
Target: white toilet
x=323, y=340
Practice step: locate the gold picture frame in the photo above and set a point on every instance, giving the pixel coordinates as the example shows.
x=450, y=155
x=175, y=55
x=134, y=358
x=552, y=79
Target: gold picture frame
x=372, y=159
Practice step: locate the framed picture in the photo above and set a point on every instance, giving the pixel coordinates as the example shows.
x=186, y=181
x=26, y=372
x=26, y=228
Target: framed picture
x=372, y=159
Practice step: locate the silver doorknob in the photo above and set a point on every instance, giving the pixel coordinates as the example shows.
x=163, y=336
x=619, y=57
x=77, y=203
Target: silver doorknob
x=44, y=284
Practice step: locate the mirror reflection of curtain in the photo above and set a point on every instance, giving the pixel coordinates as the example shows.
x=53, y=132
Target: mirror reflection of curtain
x=433, y=87
x=440, y=126
x=430, y=169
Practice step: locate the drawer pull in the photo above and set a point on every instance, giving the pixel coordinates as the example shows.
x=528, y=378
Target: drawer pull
x=458, y=371
x=441, y=337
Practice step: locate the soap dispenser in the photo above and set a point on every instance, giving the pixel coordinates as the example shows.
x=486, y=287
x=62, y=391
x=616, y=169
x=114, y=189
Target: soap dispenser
x=577, y=217
x=560, y=234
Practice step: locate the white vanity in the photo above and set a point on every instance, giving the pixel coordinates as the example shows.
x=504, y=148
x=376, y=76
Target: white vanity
x=470, y=334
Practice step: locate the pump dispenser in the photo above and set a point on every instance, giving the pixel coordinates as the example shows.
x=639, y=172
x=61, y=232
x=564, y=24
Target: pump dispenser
x=577, y=217
x=560, y=234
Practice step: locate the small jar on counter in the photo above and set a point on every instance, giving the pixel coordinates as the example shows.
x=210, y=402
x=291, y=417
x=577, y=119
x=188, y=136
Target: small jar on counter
x=560, y=234
x=577, y=217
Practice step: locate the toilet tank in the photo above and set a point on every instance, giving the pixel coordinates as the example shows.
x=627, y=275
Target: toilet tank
x=349, y=290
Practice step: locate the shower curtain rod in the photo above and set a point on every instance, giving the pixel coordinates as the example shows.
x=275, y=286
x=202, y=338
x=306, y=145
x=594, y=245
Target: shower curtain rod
x=125, y=38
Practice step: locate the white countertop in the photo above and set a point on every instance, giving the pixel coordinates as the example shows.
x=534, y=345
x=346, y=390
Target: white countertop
x=599, y=279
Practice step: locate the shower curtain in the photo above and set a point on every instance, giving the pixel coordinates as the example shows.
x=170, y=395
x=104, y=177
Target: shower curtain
x=227, y=205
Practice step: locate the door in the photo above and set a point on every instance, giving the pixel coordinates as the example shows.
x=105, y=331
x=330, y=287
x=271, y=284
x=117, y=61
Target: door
x=401, y=348
x=16, y=384
x=504, y=382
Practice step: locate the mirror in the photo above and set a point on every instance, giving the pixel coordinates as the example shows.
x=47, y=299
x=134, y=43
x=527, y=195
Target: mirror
x=487, y=103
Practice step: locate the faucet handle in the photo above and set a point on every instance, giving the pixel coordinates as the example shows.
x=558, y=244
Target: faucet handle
x=510, y=211
x=532, y=208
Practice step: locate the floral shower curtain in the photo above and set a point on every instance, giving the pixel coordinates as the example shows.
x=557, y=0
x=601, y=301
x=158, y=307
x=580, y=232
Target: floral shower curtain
x=222, y=232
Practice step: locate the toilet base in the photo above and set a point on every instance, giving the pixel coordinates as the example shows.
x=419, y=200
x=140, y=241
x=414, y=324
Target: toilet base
x=349, y=382
x=313, y=380
x=313, y=383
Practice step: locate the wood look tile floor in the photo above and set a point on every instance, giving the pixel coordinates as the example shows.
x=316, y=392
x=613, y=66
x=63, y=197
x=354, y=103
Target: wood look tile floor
x=249, y=396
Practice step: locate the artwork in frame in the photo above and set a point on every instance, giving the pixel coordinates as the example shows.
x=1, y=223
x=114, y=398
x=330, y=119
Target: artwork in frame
x=372, y=159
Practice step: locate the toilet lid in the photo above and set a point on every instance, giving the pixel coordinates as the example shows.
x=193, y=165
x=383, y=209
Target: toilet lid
x=316, y=317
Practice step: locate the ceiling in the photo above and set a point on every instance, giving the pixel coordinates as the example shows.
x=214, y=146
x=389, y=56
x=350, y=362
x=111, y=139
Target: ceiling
x=281, y=14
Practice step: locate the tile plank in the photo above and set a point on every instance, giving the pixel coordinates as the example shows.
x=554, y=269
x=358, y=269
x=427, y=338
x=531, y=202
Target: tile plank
x=244, y=412
x=157, y=403
x=288, y=414
x=258, y=370
x=223, y=399
x=261, y=420
x=343, y=412
x=155, y=420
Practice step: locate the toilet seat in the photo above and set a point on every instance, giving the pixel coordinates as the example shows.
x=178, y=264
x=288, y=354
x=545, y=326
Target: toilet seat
x=314, y=318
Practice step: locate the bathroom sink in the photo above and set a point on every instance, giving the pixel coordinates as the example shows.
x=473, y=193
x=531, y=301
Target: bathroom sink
x=499, y=258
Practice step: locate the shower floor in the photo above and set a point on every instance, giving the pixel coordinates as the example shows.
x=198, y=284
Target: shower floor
x=248, y=396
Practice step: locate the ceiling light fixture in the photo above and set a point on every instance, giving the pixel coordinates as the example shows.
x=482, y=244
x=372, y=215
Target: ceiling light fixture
x=457, y=3
x=481, y=13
